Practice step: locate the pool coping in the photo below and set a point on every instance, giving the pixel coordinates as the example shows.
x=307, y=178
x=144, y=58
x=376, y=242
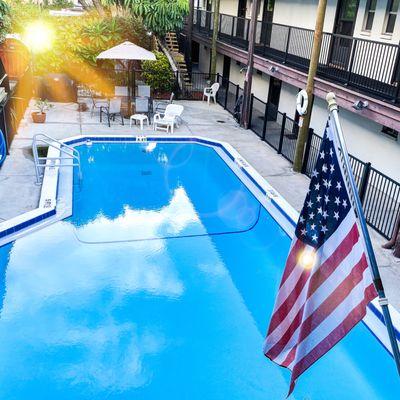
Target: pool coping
x=51, y=210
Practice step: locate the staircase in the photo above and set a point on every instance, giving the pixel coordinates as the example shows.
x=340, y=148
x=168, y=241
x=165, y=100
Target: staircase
x=173, y=48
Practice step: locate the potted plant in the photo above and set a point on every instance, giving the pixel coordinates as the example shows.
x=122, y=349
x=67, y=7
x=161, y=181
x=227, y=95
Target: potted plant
x=39, y=117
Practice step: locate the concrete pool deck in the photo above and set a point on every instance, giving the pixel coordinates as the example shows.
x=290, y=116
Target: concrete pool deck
x=19, y=193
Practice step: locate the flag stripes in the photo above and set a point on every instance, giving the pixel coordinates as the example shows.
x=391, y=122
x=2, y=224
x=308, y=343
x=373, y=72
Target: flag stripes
x=319, y=302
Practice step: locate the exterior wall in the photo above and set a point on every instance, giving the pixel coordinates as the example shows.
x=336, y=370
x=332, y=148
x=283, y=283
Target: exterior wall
x=287, y=12
x=378, y=24
x=204, y=58
x=302, y=13
x=364, y=138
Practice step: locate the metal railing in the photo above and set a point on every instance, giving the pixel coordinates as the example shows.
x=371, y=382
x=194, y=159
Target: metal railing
x=380, y=194
x=369, y=66
x=41, y=163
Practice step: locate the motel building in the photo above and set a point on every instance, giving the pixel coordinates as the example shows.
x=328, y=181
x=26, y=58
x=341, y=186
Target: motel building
x=359, y=61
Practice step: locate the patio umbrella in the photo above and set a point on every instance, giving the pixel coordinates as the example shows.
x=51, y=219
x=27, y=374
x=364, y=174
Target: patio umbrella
x=127, y=51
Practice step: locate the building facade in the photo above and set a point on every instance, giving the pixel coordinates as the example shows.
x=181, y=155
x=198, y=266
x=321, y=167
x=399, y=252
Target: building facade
x=359, y=61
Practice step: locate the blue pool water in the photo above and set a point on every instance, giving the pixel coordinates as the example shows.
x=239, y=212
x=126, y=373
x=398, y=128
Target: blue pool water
x=160, y=286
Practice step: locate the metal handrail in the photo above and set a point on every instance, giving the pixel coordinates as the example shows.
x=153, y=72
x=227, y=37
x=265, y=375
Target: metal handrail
x=70, y=151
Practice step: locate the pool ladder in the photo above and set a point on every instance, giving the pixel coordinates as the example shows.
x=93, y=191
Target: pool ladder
x=66, y=153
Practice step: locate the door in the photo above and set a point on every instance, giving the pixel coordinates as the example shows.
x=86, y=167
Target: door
x=195, y=53
x=241, y=20
x=267, y=16
x=226, y=71
x=274, y=95
x=346, y=14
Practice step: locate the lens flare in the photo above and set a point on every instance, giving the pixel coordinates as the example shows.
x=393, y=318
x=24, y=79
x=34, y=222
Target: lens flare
x=38, y=36
x=307, y=258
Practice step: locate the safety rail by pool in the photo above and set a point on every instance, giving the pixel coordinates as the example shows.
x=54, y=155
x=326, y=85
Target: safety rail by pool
x=70, y=152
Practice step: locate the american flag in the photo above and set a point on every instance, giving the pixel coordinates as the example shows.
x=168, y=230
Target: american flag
x=326, y=284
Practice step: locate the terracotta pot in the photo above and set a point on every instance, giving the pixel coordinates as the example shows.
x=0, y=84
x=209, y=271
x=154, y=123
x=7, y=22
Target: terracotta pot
x=38, y=117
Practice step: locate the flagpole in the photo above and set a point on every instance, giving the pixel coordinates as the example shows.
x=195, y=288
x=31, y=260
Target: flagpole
x=383, y=301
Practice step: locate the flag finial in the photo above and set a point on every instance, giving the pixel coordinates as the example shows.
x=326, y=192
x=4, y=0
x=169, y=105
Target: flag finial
x=331, y=99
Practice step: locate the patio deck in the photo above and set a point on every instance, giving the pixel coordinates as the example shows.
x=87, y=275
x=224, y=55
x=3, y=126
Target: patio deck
x=19, y=193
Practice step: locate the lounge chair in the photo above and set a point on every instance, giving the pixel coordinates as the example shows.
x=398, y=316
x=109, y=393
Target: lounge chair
x=171, y=117
x=143, y=106
x=162, y=105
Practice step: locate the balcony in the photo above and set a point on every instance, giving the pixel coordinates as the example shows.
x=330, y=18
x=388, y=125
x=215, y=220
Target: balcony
x=368, y=66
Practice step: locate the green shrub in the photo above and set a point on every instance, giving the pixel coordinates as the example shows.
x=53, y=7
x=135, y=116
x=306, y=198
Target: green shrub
x=158, y=74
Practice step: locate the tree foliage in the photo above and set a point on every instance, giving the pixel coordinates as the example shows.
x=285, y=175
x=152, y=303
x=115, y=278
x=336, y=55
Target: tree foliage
x=5, y=20
x=158, y=74
x=160, y=16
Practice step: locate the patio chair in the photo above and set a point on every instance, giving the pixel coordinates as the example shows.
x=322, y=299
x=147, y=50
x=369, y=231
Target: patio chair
x=171, y=116
x=112, y=110
x=142, y=106
x=97, y=103
x=144, y=91
x=162, y=105
x=211, y=92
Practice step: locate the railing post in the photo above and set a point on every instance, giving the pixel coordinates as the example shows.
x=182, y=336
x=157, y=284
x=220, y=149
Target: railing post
x=265, y=121
x=226, y=94
x=397, y=76
x=282, y=135
x=247, y=32
x=237, y=93
x=364, y=181
x=307, y=151
x=353, y=52
x=233, y=28
x=217, y=80
x=287, y=44
x=251, y=110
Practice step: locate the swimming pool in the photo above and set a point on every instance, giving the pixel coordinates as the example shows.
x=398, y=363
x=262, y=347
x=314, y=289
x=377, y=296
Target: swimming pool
x=160, y=285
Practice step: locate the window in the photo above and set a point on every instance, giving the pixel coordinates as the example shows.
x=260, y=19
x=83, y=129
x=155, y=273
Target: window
x=390, y=132
x=391, y=14
x=369, y=15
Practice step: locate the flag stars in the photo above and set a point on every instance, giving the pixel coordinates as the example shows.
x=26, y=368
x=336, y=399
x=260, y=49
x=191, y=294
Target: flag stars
x=325, y=215
x=327, y=183
x=338, y=185
x=317, y=186
x=309, y=203
x=324, y=229
x=303, y=232
x=319, y=209
x=322, y=155
x=336, y=215
x=324, y=168
x=314, y=174
x=337, y=201
x=331, y=152
x=326, y=199
x=344, y=204
x=312, y=226
x=332, y=168
x=311, y=215
x=314, y=237
x=301, y=219
x=318, y=198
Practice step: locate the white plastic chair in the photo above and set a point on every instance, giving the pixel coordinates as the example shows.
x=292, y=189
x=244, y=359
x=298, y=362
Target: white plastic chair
x=211, y=92
x=171, y=116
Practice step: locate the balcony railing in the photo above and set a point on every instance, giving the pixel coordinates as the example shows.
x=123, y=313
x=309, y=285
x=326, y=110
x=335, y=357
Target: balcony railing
x=371, y=67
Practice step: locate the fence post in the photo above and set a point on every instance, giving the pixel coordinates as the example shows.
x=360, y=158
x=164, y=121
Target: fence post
x=282, y=133
x=364, y=181
x=217, y=80
x=226, y=94
x=237, y=93
x=265, y=121
x=233, y=28
x=251, y=110
x=307, y=151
